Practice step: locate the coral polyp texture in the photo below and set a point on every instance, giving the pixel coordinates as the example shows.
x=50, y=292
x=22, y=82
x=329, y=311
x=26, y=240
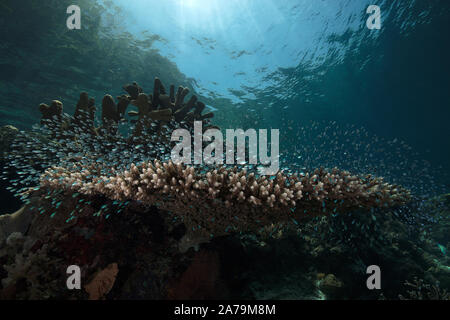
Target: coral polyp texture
x=102, y=161
x=227, y=200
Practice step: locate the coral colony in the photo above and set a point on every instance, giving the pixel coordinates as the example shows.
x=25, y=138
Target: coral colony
x=120, y=165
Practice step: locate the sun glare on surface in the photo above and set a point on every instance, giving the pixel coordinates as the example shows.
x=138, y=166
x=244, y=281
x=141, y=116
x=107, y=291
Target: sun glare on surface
x=190, y=3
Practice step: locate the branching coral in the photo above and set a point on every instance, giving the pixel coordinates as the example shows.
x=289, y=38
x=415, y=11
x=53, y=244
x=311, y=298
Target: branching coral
x=225, y=200
x=154, y=107
x=99, y=161
x=63, y=139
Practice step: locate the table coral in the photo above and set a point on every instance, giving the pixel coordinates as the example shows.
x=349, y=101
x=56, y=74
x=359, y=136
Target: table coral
x=101, y=162
x=224, y=200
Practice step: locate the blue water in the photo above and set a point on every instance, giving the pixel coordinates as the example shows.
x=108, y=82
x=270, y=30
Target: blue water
x=316, y=60
x=370, y=101
x=304, y=59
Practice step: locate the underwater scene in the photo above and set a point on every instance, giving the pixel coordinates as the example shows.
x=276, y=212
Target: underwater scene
x=225, y=150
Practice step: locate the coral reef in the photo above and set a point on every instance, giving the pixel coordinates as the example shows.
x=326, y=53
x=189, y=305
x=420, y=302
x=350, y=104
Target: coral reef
x=156, y=107
x=91, y=160
x=293, y=265
x=285, y=263
x=184, y=228
x=33, y=265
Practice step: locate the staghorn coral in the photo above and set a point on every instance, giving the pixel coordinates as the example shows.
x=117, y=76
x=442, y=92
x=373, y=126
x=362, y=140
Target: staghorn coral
x=225, y=200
